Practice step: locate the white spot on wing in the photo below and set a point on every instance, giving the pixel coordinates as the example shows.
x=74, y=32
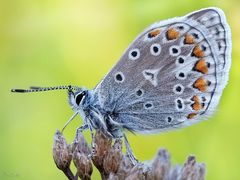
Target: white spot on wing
x=151, y=75
x=148, y=105
x=179, y=104
x=178, y=89
x=119, y=77
x=134, y=54
x=155, y=49
x=174, y=50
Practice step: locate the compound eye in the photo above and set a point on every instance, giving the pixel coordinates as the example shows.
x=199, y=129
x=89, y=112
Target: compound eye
x=79, y=97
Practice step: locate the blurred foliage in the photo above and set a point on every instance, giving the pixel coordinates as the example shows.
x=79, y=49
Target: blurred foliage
x=59, y=42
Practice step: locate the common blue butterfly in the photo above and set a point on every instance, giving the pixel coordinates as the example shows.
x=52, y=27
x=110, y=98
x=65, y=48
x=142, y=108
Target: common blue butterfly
x=171, y=76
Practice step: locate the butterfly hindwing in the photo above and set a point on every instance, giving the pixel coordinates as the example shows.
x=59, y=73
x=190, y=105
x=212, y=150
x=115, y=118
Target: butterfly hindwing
x=171, y=75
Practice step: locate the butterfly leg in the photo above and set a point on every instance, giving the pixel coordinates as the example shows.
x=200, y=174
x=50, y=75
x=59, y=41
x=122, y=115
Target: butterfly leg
x=92, y=135
x=82, y=128
x=85, y=126
x=130, y=152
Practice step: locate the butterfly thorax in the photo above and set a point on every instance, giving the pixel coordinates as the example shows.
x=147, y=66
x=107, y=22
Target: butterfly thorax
x=87, y=104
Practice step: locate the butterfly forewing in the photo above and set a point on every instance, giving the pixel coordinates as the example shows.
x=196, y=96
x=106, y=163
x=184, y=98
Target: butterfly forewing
x=171, y=75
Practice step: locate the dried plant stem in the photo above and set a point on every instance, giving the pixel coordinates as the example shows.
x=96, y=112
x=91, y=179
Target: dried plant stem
x=113, y=164
x=68, y=173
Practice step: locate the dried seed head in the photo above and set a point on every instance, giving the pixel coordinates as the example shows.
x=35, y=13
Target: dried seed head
x=136, y=173
x=83, y=165
x=113, y=159
x=161, y=164
x=61, y=151
x=81, y=159
x=192, y=169
x=102, y=144
x=80, y=144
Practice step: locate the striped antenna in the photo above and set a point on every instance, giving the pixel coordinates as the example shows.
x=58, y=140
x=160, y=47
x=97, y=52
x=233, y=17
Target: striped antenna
x=40, y=89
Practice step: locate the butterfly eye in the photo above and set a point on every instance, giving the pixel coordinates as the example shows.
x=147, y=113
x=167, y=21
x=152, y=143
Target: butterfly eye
x=79, y=97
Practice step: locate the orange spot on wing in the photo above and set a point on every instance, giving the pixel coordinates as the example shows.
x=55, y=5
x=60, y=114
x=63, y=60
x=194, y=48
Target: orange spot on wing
x=196, y=105
x=172, y=34
x=192, y=115
x=201, y=66
x=154, y=33
x=198, y=52
x=189, y=39
x=200, y=84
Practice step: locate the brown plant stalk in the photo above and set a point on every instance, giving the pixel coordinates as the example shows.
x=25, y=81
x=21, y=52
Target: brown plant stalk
x=113, y=164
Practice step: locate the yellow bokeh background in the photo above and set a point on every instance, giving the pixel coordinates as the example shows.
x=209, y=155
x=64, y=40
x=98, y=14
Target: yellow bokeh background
x=48, y=43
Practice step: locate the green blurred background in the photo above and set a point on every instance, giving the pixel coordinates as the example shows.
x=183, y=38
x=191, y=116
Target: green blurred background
x=58, y=42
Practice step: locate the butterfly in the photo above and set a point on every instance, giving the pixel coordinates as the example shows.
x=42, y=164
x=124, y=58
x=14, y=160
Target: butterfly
x=171, y=76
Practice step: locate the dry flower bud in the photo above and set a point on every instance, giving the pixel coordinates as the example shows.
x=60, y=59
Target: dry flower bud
x=102, y=144
x=83, y=165
x=161, y=164
x=113, y=158
x=136, y=173
x=61, y=151
x=114, y=165
x=81, y=160
x=62, y=154
x=192, y=169
x=80, y=144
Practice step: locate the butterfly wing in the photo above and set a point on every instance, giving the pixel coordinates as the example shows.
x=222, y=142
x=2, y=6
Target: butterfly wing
x=172, y=75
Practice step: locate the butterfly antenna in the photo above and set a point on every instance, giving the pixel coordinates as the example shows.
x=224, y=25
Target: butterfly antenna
x=40, y=89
